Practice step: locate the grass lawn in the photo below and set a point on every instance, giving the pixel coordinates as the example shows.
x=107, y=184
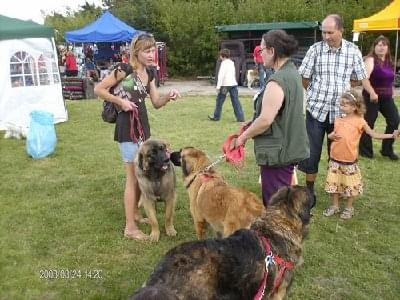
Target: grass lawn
x=61, y=218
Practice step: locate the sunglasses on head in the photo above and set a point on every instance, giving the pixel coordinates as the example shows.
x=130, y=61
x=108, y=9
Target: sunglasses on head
x=143, y=36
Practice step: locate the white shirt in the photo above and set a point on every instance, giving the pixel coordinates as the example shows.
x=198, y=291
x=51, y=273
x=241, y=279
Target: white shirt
x=226, y=74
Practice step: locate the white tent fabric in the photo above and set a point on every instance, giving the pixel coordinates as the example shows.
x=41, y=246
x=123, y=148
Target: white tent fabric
x=36, y=87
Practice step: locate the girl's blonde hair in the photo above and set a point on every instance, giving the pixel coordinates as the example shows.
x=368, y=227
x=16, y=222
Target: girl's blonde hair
x=355, y=99
x=142, y=42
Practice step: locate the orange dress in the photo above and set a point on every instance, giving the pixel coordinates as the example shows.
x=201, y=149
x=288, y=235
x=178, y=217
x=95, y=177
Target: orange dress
x=344, y=176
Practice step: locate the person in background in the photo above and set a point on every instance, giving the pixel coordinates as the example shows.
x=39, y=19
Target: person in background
x=227, y=83
x=278, y=128
x=258, y=60
x=91, y=70
x=327, y=70
x=381, y=75
x=344, y=176
x=263, y=72
x=130, y=133
x=125, y=57
x=71, y=67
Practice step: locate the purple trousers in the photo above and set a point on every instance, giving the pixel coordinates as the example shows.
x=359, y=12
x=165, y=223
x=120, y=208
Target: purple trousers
x=273, y=178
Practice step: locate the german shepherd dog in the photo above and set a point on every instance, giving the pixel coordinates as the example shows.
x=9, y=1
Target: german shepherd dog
x=157, y=182
x=212, y=200
x=235, y=267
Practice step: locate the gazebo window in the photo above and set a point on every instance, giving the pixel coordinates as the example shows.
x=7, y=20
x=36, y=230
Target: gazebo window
x=23, y=70
x=48, y=71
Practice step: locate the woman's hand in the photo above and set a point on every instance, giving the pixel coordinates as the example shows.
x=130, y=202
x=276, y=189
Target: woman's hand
x=373, y=97
x=127, y=105
x=396, y=134
x=173, y=94
x=236, y=142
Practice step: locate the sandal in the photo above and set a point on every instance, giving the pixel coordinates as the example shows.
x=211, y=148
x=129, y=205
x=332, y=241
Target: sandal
x=347, y=213
x=330, y=211
x=136, y=234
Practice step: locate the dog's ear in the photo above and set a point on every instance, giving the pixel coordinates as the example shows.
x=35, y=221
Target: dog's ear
x=140, y=161
x=175, y=158
x=186, y=168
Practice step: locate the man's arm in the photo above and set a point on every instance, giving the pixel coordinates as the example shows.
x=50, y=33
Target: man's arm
x=368, y=87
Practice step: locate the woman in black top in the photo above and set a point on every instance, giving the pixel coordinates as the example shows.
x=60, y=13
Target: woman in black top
x=128, y=93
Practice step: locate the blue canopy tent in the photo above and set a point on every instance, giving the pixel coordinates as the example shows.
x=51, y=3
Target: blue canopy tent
x=107, y=28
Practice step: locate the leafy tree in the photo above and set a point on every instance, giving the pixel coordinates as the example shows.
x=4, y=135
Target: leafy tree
x=188, y=26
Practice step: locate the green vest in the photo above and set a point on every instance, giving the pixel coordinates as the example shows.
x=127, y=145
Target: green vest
x=285, y=142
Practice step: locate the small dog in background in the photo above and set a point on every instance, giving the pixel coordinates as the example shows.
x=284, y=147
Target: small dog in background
x=15, y=132
x=252, y=78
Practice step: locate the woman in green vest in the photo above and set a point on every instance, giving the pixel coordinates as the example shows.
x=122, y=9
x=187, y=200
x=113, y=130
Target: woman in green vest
x=278, y=127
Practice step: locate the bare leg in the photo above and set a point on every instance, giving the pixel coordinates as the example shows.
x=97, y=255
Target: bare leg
x=350, y=202
x=131, y=200
x=335, y=200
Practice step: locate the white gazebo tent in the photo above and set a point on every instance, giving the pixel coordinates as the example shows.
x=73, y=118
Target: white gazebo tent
x=29, y=75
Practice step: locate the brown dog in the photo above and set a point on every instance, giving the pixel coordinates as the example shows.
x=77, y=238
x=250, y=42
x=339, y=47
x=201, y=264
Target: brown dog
x=157, y=181
x=234, y=267
x=212, y=200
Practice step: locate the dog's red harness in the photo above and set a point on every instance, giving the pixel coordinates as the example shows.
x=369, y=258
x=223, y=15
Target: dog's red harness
x=271, y=259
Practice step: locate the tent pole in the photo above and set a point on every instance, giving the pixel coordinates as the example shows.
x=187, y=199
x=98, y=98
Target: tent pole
x=395, y=51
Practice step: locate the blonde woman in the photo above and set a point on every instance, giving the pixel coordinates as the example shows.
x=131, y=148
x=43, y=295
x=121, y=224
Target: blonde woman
x=129, y=97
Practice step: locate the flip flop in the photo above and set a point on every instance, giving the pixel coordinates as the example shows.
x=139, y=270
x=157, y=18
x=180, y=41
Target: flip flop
x=136, y=234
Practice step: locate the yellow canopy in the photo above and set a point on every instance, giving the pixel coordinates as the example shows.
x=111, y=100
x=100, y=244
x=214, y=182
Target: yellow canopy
x=386, y=19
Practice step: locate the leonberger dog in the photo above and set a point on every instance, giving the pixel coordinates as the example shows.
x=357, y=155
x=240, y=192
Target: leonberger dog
x=212, y=200
x=157, y=182
x=235, y=267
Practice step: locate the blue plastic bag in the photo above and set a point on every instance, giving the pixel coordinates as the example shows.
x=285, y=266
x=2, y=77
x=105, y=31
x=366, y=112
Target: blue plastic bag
x=41, y=139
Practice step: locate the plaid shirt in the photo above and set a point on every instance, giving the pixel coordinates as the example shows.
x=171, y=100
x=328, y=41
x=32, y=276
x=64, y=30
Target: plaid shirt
x=330, y=72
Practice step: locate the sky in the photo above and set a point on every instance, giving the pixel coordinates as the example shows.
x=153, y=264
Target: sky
x=31, y=10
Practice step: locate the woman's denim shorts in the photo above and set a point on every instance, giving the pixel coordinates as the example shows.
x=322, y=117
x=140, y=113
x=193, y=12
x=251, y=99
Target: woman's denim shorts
x=129, y=151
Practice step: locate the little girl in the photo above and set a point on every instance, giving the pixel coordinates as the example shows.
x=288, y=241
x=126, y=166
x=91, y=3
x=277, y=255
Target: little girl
x=344, y=177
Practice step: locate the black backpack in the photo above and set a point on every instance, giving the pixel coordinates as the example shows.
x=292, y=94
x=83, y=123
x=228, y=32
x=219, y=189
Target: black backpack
x=110, y=110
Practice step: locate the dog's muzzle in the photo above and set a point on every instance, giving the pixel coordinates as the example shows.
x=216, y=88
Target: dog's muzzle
x=175, y=158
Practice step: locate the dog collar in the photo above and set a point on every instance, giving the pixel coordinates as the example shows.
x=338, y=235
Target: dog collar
x=191, y=181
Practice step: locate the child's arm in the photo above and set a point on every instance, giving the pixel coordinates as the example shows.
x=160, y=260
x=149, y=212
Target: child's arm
x=381, y=136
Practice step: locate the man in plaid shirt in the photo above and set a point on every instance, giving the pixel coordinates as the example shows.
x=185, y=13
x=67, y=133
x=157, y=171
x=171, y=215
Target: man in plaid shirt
x=327, y=70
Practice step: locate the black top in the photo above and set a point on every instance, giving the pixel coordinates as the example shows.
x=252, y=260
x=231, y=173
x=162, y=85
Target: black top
x=137, y=95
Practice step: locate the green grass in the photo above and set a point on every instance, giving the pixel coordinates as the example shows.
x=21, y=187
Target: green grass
x=65, y=212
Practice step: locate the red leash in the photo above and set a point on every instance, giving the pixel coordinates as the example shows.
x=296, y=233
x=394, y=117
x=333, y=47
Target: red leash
x=134, y=119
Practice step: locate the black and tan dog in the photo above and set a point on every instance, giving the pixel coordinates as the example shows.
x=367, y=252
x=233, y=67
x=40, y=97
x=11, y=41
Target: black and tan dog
x=157, y=181
x=235, y=267
x=212, y=200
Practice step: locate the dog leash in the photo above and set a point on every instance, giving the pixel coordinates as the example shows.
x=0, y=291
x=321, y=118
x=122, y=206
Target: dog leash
x=219, y=159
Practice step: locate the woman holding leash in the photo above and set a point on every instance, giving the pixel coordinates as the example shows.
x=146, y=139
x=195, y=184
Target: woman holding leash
x=278, y=127
x=132, y=125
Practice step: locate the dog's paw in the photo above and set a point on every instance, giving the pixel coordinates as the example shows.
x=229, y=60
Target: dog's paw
x=154, y=236
x=170, y=231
